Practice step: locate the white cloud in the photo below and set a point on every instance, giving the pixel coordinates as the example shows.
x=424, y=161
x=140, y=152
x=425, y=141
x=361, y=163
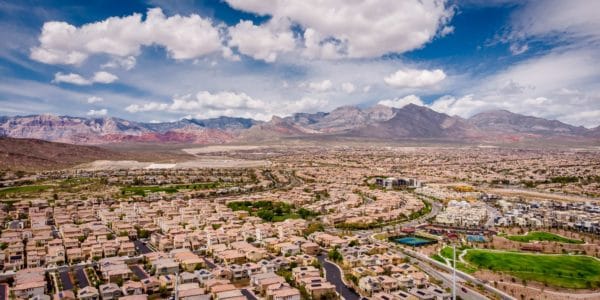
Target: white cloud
x=104, y=77
x=558, y=19
x=305, y=104
x=357, y=28
x=210, y=105
x=222, y=100
x=126, y=63
x=316, y=46
x=229, y=55
x=184, y=37
x=536, y=87
x=261, y=42
x=401, y=102
x=463, y=106
x=446, y=30
x=517, y=49
x=348, y=87
x=73, y=78
x=94, y=99
x=207, y=104
x=152, y=106
x=413, y=78
x=97, y=113
x=321, y=86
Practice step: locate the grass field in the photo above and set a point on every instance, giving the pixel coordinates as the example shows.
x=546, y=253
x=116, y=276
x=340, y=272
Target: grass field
x=26, y=189
x=542, y=236
x=447, y=253
x=565, y=271
x=169, y=189
x=271, y=211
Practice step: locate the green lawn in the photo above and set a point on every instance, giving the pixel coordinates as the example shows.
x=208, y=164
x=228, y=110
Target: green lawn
x=447, y=253
x=142, y=190
x=566, y=271
x=272, y=211
x=438, y=258
x=26, y=189
x=542, y=236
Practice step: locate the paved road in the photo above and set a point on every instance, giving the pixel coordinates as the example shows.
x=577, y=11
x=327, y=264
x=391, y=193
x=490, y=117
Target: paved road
x=142, y=247
x=333, y=275
x=459, y=274
x=138, y=271
x=3, y=291
x=446, y=278
x=248, y=294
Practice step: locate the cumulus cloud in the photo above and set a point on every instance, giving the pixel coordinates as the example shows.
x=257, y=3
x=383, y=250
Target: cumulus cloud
x=401, y=102
x=332, y=29
x=348, y=87
x=317, y=46
x=97, y=113
x=205, y=103
x=152, y=106
x=94, y=99
x=221, y=100
x=73, y=78
x=104, y=77
x=339, y=28
x=126, y=63
x=462, y=106
x=413, y=78
x=305, y=104
x=320, y=86
x=261, y=42
x=225, y=103
x=184, y=37
x=534, y=87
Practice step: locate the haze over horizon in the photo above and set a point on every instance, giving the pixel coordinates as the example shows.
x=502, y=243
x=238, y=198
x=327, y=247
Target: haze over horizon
x=153, y=61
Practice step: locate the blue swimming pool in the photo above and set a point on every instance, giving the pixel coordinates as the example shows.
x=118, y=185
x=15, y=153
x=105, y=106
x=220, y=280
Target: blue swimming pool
x=414, y=241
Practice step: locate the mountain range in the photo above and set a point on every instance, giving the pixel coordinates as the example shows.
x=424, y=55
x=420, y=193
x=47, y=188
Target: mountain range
x=376, y=122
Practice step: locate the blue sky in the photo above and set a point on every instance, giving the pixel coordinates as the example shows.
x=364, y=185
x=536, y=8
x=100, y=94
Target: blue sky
x=166, y=60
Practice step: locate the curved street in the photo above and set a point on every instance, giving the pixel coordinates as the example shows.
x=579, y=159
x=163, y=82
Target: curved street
x=334, y=275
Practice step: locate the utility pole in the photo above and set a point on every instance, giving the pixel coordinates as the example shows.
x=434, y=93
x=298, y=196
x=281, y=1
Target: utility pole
x=454, y=272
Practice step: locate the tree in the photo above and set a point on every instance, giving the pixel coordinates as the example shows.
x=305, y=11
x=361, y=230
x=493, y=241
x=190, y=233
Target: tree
x=329, y=296
x=335, y=255
x=163, y=291
x=313, y=227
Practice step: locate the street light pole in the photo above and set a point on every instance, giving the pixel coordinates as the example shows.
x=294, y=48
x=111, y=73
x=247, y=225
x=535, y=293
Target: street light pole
x=454, y=272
